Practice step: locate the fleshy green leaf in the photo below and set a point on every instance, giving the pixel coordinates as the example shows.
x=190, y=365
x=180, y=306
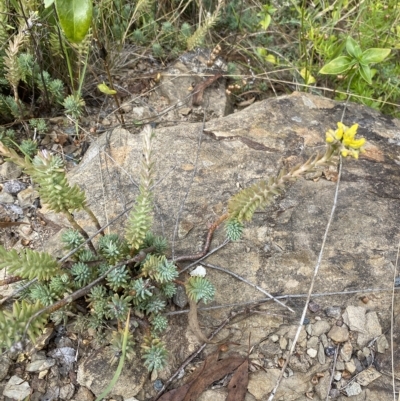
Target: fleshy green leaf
x=366, y=73
x=353, y=48
x=374, y=55
x=75, y=18
x=338, y=65
x=105, y=89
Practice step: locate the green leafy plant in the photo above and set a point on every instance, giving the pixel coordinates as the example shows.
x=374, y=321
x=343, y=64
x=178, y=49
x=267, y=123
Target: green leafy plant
x=116, y=276
x=357, y=61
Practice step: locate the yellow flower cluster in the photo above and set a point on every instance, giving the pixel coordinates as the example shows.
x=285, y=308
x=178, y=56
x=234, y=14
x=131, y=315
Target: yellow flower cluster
x=349, y=146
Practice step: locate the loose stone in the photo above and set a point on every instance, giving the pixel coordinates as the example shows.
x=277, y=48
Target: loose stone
x=320, y=327
x=14, y=186
x=382, y=344
x=158, y=385
x=346, y=351
x=312, y=352
x=313, y=306
x=330, y=351
x=339, y=334
x=350, y=366
x=333, y=311
x=321, y=354
x=353, y=389
x=274, y=338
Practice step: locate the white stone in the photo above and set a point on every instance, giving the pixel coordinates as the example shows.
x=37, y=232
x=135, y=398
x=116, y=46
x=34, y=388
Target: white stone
x=353, y=389
x=274, y=338
x=312, y=352
x=337, y=376
x=41, y=364
x=199, y=271
x=17, y=388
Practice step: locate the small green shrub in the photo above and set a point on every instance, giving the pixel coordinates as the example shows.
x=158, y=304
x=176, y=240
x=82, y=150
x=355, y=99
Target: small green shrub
x=144, y=287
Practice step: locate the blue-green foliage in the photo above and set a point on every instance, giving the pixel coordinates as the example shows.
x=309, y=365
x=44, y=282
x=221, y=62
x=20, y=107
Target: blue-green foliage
x=29, y=147
x=118, y=307
x=168, y=289
x=154, y=355
x=199, y=288
x=113, y=248
x=141, y=289
x=42, y=292
x=166, y=271
x=159, y=324
x=60, y=285
x=234, y=229
x=154, y=305
x=71, y=239
x=118, y=278
x=81, y=273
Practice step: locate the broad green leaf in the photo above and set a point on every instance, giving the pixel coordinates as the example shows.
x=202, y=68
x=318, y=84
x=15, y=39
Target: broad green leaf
x=353, y=48
x=105, y=89
x=75, y=17
x=366, y=73
x=264, y=23
x=374, y=55
x=48, y=3
x=338, y=65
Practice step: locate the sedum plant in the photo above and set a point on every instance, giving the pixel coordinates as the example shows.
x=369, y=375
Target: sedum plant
x=115, y=277
x=241, y=207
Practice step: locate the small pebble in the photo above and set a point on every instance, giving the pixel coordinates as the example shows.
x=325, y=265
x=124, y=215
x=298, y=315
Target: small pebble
x=350, y=367
x=306, y=321
x=330, y=351
x=353, y=389
x=365, y=299
x=14, y=186
x=158, y=385
x=337, y=376
x=313, y=306
x=274, y=338
x=312, y=353
x=334, y=393
x=333, y=311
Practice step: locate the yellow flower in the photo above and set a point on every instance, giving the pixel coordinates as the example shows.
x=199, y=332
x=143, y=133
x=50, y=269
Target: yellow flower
x=348, y=138
x=339, y=132
x=344, y=139
x=330, y=136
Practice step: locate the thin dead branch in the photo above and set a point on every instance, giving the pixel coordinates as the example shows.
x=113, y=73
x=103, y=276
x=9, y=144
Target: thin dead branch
x=316, y=269
x=247, y=282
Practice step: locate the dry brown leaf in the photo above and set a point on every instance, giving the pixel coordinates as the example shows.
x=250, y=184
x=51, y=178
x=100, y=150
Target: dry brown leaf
x=178, y=394
x=211, y=373
x=5, y=224
x=237, y=387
